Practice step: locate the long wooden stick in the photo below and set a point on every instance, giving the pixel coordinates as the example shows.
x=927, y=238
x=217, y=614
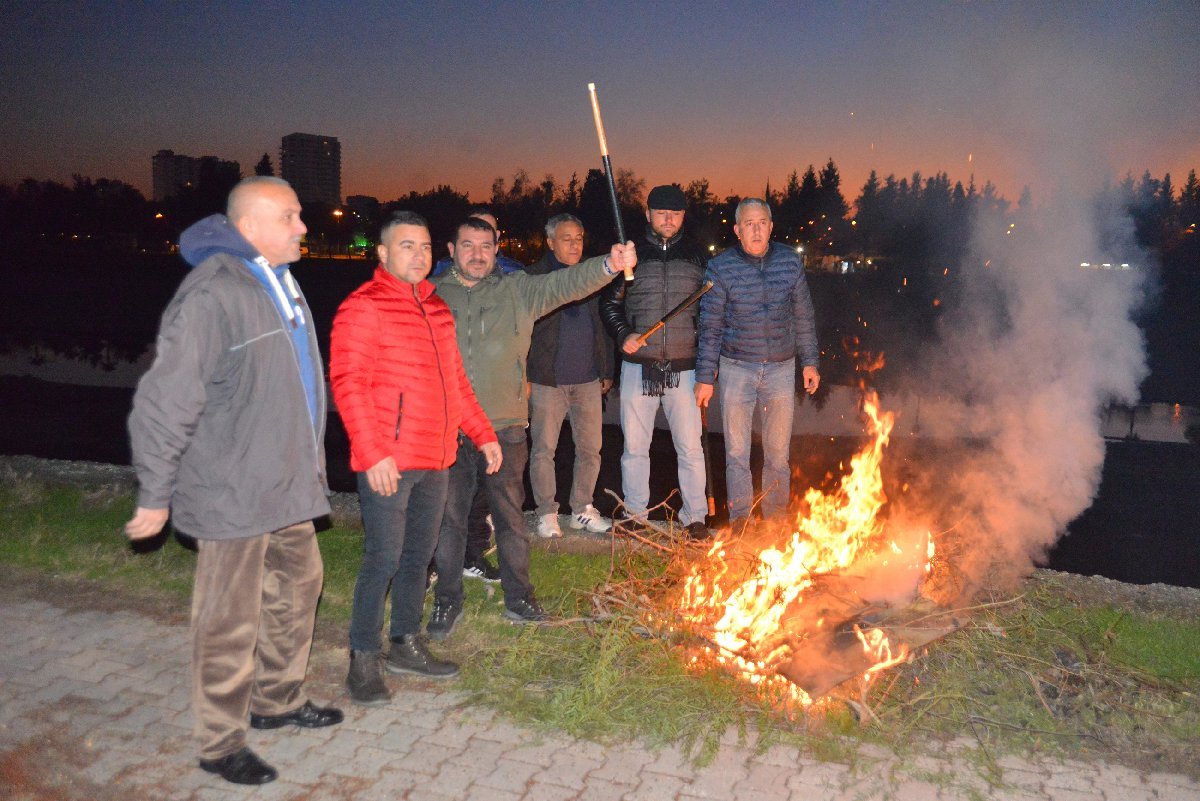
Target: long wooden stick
x=688, y=301
x=608, y=171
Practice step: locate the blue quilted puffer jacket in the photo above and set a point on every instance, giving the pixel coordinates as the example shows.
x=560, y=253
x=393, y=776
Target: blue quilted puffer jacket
x=759, y=310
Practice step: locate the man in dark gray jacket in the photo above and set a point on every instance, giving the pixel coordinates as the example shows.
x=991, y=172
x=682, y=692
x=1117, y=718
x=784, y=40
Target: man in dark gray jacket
x=660, y=370
x=226, y=433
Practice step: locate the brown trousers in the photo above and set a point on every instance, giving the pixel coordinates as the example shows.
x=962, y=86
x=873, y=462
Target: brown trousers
x=253, y=611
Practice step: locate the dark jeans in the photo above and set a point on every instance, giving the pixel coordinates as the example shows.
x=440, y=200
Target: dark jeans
x=479, y=536
x=401, y=532
x=506, y=495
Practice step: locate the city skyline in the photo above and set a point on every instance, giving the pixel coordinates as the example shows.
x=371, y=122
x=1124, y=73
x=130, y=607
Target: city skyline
x=1015, y=94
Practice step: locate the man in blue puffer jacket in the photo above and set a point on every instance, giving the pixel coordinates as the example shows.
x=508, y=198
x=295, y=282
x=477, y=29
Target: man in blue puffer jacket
x=753, y=322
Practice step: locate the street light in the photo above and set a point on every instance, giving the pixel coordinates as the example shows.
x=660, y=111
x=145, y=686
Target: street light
x=337, y=216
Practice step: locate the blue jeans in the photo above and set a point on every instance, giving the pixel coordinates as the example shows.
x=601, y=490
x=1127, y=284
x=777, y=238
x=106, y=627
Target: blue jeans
x=548, y=407
x=506, y=495
x=400, y=534
x=771, y=387
x=637, y=424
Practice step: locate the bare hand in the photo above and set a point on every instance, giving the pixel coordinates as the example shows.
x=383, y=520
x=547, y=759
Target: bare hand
x=632, y=344
x=146, y=523
x=703, y=395
x=384, y=478
x=622, y=257
x=812, y=380
x=605, y=385
x=494, y=456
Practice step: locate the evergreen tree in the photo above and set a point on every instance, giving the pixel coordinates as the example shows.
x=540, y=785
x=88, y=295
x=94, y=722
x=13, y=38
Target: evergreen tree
x=264, y=166
x=787, y=213
x=703, y=217
x=808, y=207
x=869, y=217
x=571, y=195
x=1189, y=203
x=831, y=210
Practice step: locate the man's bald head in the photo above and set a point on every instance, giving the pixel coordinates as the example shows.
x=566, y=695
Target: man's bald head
x=266, y=212
x=247, y=190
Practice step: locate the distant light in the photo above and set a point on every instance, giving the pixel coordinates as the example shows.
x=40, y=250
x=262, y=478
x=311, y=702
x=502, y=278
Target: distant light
x=799, y=250
x=158, y=216
x=1085, y=264
x=712, y=248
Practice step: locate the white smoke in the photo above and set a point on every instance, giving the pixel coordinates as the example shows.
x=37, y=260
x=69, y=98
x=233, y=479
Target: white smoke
x=1031, y=352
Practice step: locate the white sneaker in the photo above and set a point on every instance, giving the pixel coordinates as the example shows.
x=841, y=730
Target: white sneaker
x=548, y=527
x=591, y=520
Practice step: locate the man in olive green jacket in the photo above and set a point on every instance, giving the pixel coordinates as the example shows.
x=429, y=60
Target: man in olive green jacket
x=494, y=314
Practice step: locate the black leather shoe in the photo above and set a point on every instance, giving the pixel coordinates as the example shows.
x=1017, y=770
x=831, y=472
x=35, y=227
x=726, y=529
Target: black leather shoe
x=241, y=767
x=306, y=717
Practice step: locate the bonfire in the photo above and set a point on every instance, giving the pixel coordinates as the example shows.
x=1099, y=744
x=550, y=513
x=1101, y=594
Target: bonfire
x=800, y=606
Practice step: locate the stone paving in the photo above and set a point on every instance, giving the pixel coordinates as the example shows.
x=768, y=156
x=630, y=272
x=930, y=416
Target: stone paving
x=95, y=705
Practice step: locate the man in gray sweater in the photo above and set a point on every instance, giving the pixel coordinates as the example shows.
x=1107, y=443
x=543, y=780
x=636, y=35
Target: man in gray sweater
x=226, y=433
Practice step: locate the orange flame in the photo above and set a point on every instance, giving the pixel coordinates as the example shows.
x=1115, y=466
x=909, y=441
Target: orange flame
x=751, y=606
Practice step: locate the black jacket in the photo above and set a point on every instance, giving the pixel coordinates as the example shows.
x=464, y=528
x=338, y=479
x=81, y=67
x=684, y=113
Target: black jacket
x=543, y=345
x=667, y=272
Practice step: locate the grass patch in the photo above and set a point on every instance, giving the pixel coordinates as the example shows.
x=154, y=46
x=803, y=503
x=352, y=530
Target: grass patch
x=1040, y=674
x=69, y=532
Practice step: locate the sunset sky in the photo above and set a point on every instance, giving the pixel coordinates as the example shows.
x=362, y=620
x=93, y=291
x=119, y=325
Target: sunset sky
x=461, y=93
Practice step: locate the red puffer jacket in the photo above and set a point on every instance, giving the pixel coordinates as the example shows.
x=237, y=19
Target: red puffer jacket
x=398, y=378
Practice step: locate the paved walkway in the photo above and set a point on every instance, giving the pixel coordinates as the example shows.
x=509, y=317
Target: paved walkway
x=94, y=705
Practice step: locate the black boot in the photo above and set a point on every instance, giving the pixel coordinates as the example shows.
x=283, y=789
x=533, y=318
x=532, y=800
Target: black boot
x=410, y=655
x=365, y=679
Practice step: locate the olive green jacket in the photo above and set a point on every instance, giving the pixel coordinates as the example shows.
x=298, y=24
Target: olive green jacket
x=494, y=321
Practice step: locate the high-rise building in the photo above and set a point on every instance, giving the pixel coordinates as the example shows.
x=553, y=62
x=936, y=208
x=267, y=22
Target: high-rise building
x=173, y=172
x=312, y=164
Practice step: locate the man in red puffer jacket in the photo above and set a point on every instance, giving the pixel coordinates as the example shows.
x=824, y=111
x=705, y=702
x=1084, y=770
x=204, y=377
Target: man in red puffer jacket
x=401, y=390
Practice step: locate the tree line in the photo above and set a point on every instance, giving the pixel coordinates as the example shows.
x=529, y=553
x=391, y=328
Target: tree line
x=912, y=218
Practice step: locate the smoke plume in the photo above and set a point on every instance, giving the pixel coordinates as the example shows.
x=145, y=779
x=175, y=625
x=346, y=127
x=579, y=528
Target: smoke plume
x=1032, y=349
